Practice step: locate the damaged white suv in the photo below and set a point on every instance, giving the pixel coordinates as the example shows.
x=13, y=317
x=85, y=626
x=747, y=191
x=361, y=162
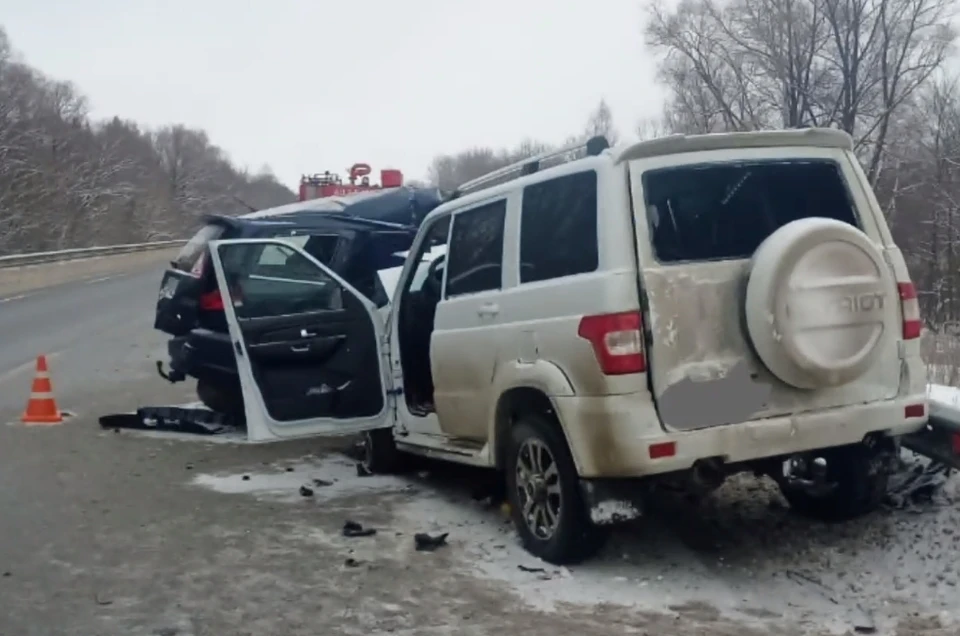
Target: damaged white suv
x=675, y=310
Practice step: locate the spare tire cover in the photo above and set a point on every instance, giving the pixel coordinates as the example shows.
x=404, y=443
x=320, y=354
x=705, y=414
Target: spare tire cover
x=819, y=300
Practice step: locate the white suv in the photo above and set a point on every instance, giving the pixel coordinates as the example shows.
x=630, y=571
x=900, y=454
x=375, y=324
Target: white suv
x=671, y=311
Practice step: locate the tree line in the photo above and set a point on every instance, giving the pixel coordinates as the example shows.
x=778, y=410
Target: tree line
x=67, y=181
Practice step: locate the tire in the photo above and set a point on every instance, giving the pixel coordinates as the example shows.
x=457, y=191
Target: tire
x=861, y=477
x=222, y=399
x=380, y=454
x=573, y=538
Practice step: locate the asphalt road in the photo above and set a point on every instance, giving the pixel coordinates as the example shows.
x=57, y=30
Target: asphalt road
x=93, y=332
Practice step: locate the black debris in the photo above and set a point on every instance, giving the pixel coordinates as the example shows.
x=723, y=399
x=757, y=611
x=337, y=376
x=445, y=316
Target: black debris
x=289, y=469
x=171, y=418
x=6, y=574
x=246, y=478
x=322, y=482
x=362, y=470
x=306, y=491
x=354, y=529
x=189, y=466
x=916, y=483
x=427, y=543
x=525, y=568
x=351, y=563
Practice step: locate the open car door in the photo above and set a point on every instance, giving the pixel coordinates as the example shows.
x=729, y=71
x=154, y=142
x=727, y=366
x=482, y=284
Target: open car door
x=309, y=347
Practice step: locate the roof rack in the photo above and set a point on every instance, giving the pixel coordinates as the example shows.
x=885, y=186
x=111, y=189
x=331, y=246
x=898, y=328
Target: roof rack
x=530, y=165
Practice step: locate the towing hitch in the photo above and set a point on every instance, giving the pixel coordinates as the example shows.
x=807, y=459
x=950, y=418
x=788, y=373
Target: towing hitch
x=807, y=475
x=173, y=376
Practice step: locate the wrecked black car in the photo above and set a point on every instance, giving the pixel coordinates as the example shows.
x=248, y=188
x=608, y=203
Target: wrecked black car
x=363, y=238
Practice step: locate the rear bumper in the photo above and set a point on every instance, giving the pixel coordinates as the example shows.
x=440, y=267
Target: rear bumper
x=611, y=436
x=203, y=354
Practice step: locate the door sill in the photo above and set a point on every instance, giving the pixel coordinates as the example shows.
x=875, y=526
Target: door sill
x=439, y=447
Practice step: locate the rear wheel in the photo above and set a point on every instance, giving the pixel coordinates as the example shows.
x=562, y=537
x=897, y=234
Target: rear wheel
x=860, y=475
x=543, y=488
x=221, y=398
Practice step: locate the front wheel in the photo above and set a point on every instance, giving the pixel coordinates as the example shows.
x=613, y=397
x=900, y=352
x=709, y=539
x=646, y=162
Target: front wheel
x=544, y=493
x=859, y=474
x=380, y=454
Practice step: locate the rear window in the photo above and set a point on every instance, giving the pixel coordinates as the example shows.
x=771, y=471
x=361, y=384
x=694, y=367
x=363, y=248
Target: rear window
x=717, y=211
x=191, y=252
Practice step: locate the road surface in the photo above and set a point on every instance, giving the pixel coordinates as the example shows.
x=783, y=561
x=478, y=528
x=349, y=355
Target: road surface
x=93, y=332
x=115, y=534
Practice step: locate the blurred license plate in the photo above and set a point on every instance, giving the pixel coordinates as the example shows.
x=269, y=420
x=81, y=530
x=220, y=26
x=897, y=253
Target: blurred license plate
x=169, y=288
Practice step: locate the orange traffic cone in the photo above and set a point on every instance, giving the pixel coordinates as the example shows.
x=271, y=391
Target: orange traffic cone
x=42, y=408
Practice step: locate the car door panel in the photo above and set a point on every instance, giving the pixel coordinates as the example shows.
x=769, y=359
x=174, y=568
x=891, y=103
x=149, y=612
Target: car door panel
x=308, y=350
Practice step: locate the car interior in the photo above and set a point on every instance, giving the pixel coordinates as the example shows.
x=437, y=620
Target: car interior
x=418, y=307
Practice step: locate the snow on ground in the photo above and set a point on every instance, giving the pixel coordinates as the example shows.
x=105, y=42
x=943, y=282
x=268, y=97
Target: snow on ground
x=740, y=553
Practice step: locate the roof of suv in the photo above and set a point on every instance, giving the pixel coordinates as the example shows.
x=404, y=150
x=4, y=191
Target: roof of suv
x=672, y=144
x=675, y=144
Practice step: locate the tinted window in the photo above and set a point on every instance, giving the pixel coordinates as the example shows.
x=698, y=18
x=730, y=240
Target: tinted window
x=725, y=210
x=276, y=280
x=558, y=227
x=475, y=260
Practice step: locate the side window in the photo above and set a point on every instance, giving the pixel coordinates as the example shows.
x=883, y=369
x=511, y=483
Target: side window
x=275, y=280
x=475, y=261
x=558, y=228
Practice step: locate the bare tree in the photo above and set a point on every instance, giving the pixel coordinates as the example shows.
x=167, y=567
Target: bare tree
x=750, y=64
x=66, y=181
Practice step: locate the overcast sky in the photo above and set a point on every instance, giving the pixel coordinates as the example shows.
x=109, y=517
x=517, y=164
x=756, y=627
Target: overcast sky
x=313, y=85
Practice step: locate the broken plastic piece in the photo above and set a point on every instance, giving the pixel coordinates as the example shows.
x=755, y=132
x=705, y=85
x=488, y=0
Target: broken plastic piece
x=427, y=543
x=354, y=529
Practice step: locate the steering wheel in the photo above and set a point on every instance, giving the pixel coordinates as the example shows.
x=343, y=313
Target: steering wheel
x=434, y=279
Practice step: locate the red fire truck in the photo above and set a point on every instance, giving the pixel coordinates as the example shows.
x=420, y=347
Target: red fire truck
x=329, y=184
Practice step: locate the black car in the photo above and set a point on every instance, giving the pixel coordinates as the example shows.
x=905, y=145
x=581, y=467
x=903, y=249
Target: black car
x=356, y=236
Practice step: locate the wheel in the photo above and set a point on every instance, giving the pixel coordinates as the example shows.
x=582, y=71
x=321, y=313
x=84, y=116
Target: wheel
x=222, y=399
x=380, y=454
x=544, y=493
x=861, y=477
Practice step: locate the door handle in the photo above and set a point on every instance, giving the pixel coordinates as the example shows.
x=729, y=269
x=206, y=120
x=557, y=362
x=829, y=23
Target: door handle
x=302, y=349
x=488, y=309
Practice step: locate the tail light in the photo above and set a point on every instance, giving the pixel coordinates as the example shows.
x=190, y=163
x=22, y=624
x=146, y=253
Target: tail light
x=617, y=341
x=213, y=300
x=910, y=307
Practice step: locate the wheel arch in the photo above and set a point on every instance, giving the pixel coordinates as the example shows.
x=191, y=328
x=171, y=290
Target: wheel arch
x=512, y=405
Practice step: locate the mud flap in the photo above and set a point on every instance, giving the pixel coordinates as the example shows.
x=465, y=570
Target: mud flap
x=939, y=439
x=612, y=501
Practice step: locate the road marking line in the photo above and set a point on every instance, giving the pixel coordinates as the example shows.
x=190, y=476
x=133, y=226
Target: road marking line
x=9, y=298
x=100, y=280
x=24, y=367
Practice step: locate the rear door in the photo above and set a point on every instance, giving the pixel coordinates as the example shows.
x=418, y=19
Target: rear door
x=699, y=220
x=308, y=346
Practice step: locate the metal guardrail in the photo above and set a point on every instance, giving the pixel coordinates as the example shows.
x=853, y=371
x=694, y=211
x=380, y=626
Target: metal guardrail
x=37, y=258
